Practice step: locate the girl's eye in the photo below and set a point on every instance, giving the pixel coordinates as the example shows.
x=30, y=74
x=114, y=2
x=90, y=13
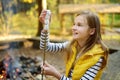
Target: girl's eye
x=79, y=24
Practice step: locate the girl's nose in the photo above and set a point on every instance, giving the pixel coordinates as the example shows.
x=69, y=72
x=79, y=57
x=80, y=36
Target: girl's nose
x=74, y=27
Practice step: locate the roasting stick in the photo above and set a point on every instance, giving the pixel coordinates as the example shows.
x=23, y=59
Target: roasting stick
x=46, y=27
x=44, y=56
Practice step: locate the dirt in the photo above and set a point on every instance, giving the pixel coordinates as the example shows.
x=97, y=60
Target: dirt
x=57, y=60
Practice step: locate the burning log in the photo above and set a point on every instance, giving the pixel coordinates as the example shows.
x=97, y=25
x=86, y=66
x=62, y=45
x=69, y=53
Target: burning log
x=2, y=72
x=15, y=69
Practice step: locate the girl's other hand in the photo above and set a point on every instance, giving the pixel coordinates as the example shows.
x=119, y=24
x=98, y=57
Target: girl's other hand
x=50, y=70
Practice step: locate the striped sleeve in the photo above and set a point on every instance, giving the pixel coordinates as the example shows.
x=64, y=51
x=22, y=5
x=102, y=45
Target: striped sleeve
x=89, y=74
x=51, y=47
x=65, y=78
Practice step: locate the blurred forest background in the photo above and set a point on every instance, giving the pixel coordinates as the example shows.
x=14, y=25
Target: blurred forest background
x=21, y=16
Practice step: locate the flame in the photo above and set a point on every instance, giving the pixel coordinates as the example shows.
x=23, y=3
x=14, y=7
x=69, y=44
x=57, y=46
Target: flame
x=1, y=76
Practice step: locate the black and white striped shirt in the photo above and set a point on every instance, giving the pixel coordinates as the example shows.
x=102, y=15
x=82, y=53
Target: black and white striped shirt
x=58, y=47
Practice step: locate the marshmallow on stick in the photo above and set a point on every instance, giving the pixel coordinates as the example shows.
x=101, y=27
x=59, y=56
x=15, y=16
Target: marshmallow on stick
x=47, y=20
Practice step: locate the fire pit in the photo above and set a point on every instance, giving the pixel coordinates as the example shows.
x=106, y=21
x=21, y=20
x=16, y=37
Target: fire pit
x=20, y=68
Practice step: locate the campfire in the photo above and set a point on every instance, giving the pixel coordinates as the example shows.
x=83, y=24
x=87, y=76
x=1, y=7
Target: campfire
x=20, y=68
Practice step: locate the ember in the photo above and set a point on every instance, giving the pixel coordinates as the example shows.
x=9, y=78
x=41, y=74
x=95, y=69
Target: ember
x=20, y=68
x=3, y=74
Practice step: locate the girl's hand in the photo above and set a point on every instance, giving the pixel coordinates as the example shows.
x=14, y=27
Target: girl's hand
x=50, y=70
x=42, y=16
x=45, y=16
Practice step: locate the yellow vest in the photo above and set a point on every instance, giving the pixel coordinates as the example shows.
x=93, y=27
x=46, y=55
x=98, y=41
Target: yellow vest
x=87, y=60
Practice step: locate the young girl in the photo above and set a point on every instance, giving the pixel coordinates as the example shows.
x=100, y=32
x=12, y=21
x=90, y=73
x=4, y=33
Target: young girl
x=86, y=53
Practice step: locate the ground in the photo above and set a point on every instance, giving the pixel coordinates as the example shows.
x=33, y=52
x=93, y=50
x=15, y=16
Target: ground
x=57, y=60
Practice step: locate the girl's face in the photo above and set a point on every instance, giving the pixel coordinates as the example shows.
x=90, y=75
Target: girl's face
x=80, y=29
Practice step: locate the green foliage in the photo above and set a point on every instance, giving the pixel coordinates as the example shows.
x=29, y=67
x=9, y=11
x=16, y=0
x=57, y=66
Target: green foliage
x=27, y=22
x=117, y=19
x=52, y=4
x=114, y=1
x=28, y=1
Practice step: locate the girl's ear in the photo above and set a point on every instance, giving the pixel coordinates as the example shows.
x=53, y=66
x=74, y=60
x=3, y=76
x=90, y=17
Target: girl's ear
x=92, y=31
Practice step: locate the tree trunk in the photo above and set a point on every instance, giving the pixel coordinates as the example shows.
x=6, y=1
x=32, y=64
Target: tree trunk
x=40, y=26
